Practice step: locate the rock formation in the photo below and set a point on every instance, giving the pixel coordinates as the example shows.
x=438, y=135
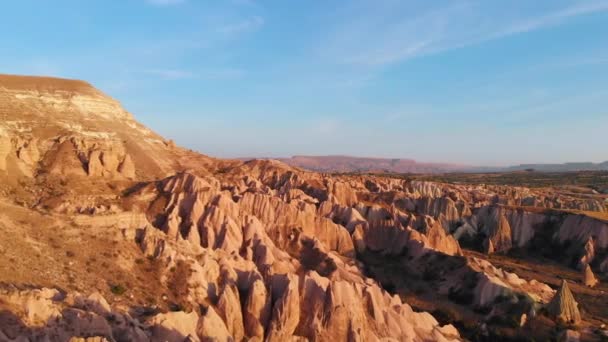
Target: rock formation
x=563, y=307
x=588, y=254
x=196, y=248
x=589, y=278
x=67, y=127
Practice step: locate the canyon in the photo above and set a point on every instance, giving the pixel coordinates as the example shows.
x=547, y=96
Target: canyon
x=110, y=232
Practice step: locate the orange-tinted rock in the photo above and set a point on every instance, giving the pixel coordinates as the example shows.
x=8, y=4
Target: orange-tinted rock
x=563, y=307
x=589, y=278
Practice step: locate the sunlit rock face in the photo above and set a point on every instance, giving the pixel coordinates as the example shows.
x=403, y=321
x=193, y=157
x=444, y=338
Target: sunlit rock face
x=196, y=248
x=300, y=259
x=67, y=127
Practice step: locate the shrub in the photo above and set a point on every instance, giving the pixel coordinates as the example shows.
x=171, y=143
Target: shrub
x=429, y=274
x=118, y=289
x=504, y=320
x=462, y=297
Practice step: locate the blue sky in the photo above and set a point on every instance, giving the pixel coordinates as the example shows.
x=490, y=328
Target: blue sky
x=476, y=82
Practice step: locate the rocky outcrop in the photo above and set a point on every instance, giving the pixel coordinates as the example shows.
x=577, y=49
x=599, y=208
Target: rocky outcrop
x=200, y=212
x=493, y=283
x=255, y=217
x=589, y=278
x=580, y=228
x=344, y=311
x=308, y=288
x=67, y=127
x=127, y=167
x=256, y=313
x=425, y=189
x=495, y=226
x=63, y=160
x=47, y=313
x=174, y=326
x=229, y=309
x=588, y=254
x=523, y=225
x=442, y=208
x=563, y=307
x=211, y=327
x=498, y=228
x=111, y=161
x=439, y=240
x=285, y=313
x=72, y=155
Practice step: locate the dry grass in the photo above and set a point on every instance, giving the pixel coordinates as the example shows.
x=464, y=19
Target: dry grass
x=602, y=216
x=576, y=182
x=43, y=250
x=47, y=84
x=593, y=301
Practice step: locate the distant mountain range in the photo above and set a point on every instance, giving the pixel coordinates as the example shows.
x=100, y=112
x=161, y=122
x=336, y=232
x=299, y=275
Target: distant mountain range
x=362, y=164
x=565, y=167
x=396, y=165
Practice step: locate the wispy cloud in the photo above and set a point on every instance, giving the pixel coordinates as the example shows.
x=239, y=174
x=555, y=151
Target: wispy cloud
x=568, y=107
x=380, y=37
x=245, y=25
x=552, y=18
x=165, y=2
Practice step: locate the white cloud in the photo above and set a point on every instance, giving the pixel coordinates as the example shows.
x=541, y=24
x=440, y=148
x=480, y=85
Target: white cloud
x=552, y=18
x=389, y=32
x=560, y=109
